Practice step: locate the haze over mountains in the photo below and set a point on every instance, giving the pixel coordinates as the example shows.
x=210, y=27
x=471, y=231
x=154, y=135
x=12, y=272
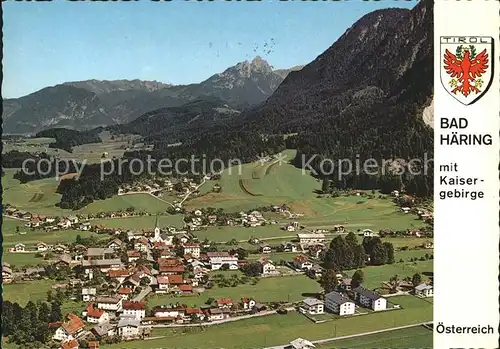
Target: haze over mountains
x=92, y=103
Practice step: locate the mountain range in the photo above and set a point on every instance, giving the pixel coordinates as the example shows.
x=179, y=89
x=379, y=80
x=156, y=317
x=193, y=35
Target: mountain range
x=374, y=81
x=93, y=103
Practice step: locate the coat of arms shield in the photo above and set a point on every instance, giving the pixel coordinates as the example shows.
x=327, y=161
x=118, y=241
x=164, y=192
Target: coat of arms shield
x=466, y=66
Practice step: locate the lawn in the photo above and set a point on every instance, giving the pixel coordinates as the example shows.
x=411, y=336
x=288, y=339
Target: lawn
x=21, y=260
x=375, y=275
x=223, y=234
x=286, y=288
x=24, y=292
x=415, y=337
x=276, y=330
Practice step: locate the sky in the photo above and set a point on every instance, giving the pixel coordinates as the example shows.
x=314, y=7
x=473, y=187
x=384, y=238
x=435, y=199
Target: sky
x=177, y=42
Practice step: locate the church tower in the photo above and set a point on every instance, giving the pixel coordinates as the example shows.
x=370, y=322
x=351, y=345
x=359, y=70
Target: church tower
x=157, y=230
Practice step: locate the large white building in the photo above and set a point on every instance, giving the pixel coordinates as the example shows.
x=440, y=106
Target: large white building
x=192, y=249
x=311, y=238
x=217, y=259
x=339, y=304
x=109, y=303
x=128, y=327
x=312, y=306
x=370, y=299
x=134, y=309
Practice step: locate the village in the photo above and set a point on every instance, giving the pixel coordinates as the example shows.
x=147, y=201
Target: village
x=117, y=278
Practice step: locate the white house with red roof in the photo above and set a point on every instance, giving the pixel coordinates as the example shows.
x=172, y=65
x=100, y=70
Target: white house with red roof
x=134, y=309
x=96, y=316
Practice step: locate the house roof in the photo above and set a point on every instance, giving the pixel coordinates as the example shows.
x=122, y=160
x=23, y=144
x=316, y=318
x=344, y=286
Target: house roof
x=224, y=301
x=74, y=324
x=128, y=321
x=162, y=279
x=193, y=311
x=215, y=311
x=130, y=305
x=423, y=286
x=118, y=273
x=312, y=301
x=133, y=254
x=337, y=298
x=124, y=290
x=107, y=300
x=172, y=269
x=175, y=279
x=311, y=236
x=185, y=288
x=72, y=344
x=101, y=262
x=97, y=251
x=103, y=329
x=301, y=343
x=116, y=241
x=367, y=293
x=94, y=312
x=169, y=262
x=142, y=240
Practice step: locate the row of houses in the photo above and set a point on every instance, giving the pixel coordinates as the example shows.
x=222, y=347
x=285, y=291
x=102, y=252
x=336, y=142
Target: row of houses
x=339, y=303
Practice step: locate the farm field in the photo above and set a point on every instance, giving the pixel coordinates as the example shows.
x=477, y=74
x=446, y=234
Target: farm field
x=416, y=337
x=276, y=330
x=292, y=288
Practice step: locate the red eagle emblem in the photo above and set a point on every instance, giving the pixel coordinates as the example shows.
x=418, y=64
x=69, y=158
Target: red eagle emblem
x=465, y=68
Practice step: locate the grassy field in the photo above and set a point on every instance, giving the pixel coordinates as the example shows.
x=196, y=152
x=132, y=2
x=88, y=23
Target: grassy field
x=416, y=337
x=375, y=275
x=223, y=234
x=287, y=288
x=283, y=183
x=24, y=292
x=276, y=330
x=40, y=197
